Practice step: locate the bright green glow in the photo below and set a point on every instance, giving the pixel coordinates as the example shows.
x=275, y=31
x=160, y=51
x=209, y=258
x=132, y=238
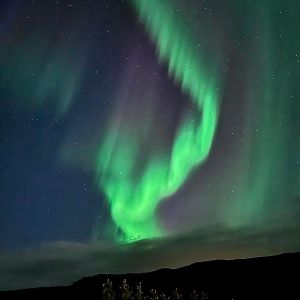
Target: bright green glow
x=133, y=201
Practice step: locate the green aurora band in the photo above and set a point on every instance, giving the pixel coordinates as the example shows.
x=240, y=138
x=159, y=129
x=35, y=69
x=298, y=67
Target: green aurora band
x=255, y=183
x=268, y=175
x=133, y=202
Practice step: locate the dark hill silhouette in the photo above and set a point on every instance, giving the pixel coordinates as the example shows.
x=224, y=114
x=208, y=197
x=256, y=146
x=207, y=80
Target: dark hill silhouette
x=275, y=277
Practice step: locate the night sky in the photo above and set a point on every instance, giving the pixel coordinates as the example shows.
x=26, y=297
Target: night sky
x=165, y=131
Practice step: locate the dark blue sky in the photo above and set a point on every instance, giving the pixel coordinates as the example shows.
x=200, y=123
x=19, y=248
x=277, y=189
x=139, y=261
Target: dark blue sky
x=69, y=70
x=41, y=198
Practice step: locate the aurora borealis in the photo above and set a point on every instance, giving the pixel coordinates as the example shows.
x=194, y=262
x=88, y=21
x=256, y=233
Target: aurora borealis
x=145, y=124
x=134, y=203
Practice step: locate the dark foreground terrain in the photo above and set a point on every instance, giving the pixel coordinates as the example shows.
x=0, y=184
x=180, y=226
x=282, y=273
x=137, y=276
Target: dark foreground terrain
x=275, y=277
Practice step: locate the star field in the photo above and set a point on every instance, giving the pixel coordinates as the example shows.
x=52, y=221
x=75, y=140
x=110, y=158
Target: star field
x=125, y=121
